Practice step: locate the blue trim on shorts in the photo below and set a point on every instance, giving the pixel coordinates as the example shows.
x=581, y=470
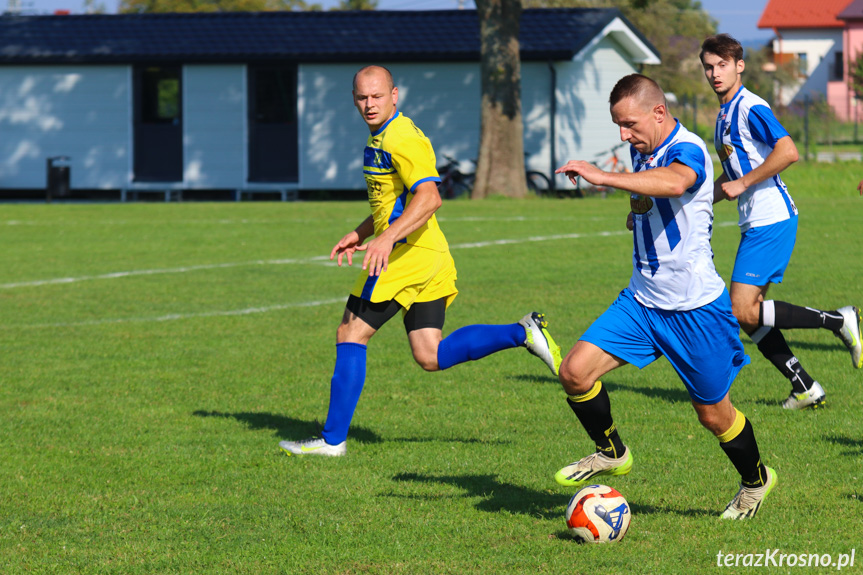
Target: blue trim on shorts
x=703, y=345
x=764, y=253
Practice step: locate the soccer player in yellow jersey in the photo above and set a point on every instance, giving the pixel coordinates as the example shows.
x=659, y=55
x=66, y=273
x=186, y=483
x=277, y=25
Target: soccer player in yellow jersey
x=406, y=267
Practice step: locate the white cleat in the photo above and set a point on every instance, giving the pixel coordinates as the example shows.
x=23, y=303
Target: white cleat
x=850, y=334
x=539, y=342
x=748, y=500
x=313, y=446
x=812, y=398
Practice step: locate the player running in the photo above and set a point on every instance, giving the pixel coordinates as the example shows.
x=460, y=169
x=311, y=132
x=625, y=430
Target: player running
x=675, y=301
x=407, y=267
x=754, y=148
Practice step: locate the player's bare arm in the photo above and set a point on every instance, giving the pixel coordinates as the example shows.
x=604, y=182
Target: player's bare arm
x=783, y=155
x=352, y=241
x=424, y=204
x=666, y=182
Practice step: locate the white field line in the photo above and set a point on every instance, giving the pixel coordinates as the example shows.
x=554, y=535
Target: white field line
x=180, y=270
x=265, y=309
x=311, y=260
x=179, y=316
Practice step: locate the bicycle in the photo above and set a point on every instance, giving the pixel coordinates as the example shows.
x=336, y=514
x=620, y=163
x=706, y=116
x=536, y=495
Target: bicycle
x=453, y=182
x=537, y=182
x=607, y=161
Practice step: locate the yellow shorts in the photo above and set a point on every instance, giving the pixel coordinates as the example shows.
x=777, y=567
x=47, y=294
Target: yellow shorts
x=413, y=274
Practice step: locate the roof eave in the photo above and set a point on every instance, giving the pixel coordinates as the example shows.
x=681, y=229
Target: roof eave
x=637, y=48
x=768, y=24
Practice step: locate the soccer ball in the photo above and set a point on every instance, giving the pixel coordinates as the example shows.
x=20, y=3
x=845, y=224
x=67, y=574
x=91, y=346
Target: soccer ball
x=598, y=514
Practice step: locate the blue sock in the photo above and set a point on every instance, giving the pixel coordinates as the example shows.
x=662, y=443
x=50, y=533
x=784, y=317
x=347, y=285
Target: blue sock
x=477, y=341
x=345, y=389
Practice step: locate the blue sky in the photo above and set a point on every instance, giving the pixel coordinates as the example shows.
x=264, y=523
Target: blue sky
x=737, y=17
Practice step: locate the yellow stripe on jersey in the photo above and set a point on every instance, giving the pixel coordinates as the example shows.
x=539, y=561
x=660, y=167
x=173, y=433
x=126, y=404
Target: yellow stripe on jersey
x=377, y=162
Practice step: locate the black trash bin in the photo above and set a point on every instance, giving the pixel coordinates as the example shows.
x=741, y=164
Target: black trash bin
x=57, y=178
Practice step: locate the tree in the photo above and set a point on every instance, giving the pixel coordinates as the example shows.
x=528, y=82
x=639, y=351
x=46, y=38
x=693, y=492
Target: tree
x=500, y=166
x=357, y=5
x=855, y=76
x=94, y=7
x=151, y=6
x=764, y=77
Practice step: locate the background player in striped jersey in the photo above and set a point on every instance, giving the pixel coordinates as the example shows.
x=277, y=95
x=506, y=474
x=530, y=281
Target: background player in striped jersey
x=676, y=304
x=754, y=148
x=407, y=267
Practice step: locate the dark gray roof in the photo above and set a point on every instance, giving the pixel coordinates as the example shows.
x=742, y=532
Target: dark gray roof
x=853, y=11
x=434, y=35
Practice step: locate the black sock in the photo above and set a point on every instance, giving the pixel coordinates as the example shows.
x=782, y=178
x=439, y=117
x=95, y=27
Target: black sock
x=742, y=450
x=774, y=347
x=595, y=416
x=783, y=315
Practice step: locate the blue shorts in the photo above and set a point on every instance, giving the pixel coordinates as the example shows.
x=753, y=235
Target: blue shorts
x=764, y=253
x=703, y=344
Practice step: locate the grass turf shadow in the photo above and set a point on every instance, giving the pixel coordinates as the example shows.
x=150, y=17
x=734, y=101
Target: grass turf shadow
x=856, y=445
x=499, y=496
x=286, y=427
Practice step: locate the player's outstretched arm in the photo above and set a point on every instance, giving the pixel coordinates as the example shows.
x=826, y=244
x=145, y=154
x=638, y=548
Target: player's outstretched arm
x=860, y=187
x=352, y=241
x=575, y=168
x=423, y=205
x=666, y=182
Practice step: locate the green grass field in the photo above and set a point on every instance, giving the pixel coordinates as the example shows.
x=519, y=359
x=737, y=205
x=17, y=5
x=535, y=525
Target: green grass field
x=152, y=356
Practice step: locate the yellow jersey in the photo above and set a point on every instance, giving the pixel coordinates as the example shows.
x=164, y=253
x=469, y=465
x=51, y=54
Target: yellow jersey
x=397, y=158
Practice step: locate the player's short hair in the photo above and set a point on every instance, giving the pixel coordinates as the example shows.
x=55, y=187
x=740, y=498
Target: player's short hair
x=640, y=87
x=371, y=67
x=723, y=45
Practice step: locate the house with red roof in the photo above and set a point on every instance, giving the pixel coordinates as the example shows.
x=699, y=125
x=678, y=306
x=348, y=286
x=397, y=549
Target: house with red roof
x=809, y=34
x=839, y=93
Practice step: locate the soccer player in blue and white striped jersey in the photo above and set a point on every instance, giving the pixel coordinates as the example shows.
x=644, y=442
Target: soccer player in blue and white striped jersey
x=754, y=148
x=676, y=304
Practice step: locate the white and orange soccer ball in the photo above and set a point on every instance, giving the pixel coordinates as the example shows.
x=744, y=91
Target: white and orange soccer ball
x=598, y=514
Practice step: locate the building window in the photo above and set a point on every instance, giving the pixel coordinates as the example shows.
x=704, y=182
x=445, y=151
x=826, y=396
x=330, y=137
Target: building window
x=160, y=102
x=837, y=70
x=275, y=95
x=802, y=64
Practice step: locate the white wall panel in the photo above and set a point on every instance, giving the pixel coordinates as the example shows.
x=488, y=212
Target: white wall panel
x=214, y=148
x=442, y=99
x=76, y=111
x=584, y=126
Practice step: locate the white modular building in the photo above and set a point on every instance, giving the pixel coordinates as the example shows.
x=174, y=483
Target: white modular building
x=255, y=102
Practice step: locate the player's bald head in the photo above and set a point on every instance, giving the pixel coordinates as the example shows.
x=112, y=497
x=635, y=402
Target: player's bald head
x=374, y=70
x=641, y=89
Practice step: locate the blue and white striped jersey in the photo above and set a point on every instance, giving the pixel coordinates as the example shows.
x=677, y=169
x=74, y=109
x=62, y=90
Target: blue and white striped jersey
x=746, y=132
x=672, y=259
